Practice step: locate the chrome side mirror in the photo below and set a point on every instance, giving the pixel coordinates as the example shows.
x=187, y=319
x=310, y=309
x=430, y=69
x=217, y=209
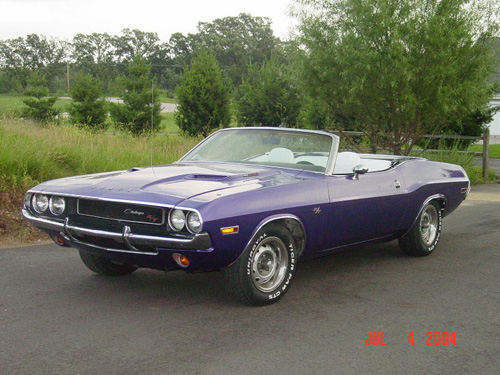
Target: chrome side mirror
x=359, y=169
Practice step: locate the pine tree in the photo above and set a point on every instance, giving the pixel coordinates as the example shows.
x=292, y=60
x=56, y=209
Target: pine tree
x=88, y=108
x=141, y=102
x=203, y=97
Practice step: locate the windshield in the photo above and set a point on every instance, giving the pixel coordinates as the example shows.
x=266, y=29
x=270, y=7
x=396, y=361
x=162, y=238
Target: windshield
x=285, y=148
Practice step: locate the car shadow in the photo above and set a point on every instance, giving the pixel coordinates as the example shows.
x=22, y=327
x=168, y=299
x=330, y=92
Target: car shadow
x=152, y=287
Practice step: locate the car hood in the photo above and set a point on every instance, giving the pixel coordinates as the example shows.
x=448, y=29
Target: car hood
x=170, y=184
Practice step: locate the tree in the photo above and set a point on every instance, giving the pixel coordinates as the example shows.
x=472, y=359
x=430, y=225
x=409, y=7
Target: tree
x=135, y=43
x=88, y=108
x=399, y=69
x=23, y=57
x=203, y=97
x=268, y=96
x=39, y=106
x=141, y=106
x=234, y=41
x=94, y=54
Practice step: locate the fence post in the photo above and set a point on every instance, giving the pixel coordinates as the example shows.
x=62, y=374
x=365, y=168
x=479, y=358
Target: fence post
x=486, y=152
x=67, y=77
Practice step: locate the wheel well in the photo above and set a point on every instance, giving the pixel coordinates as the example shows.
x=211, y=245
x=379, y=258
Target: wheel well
x=441, y=202
x=296, y=230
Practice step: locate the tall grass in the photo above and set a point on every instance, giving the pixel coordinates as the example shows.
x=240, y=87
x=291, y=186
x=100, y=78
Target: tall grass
x=30, y=153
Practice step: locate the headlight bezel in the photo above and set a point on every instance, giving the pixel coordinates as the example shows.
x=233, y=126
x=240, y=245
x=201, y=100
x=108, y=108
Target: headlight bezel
x=36, y=199
x=27, y=200
x=189, y=226
x=172, y=220
x=52, y=209
x=187, y=214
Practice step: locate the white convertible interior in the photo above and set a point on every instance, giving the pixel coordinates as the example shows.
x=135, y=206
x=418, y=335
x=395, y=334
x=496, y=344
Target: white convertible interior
x=346, y=161
x=280, y=155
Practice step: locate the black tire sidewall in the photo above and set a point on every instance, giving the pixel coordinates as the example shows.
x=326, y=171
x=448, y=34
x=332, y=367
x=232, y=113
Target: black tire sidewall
x=413, y=244
x=104, y=266
x=430, y=248
x=246, y=264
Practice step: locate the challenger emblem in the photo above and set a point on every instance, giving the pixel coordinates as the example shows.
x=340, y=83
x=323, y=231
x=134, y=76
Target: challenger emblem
x=317, y=210
x=129, y=211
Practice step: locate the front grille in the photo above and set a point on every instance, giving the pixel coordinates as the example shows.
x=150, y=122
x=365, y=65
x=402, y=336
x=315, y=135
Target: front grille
x=120, y=211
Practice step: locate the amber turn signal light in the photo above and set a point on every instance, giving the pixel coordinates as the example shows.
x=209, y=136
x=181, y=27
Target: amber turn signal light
x=230, y=230
x=181, y=260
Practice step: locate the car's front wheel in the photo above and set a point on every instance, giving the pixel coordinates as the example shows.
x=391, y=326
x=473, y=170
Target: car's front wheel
x=263, y=273
x=104, y=266
x=424, y=236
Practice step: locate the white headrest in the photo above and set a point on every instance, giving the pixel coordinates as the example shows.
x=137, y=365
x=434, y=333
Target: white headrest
x=280, y=155
x=346, y=161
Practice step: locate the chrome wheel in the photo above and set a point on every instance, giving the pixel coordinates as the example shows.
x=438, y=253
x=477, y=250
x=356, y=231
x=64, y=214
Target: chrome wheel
x=423, y=236
x=429, y=222
x=270, y=262
x=264, y=271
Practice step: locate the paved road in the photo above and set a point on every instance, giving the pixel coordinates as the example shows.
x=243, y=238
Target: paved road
x=165, y=107
x=58, y=318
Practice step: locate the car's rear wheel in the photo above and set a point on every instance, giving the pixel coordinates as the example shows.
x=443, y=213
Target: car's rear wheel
x=263, y=273
x=424, y=236
x=104, y=266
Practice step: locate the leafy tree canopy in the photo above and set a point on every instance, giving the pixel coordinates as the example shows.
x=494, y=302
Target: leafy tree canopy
x=234, y=41
x=268, y=96
x=23, y=57
x=399, y=69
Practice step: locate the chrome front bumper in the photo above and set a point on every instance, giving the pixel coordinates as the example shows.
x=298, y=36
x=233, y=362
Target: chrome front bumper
x=200, y=242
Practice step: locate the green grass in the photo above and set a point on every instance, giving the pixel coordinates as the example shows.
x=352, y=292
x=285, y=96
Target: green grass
x=168, y=124
x=10, y=106
x=166, y=99
x=30, y=153
x=494, y=150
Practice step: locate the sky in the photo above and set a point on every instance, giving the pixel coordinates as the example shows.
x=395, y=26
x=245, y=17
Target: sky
x=63, y=19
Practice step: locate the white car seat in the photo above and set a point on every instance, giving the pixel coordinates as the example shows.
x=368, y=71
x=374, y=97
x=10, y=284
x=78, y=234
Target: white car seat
x=346, y=161
x=280, y=155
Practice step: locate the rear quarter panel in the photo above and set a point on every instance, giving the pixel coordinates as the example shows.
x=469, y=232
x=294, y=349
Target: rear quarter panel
x=424, y=179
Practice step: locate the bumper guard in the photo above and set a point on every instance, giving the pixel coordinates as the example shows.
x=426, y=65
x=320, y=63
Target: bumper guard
x=200, y=242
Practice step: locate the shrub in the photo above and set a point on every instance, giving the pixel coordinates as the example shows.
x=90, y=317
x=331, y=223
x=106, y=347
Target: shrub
x=39, y=106
x=203, y=97
x=87, y=107
x=268, y=96
x=141, y=106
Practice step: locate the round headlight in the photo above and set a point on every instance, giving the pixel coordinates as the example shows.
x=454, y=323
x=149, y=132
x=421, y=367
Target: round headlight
x=177, y=219
x=27, y=200
x=40, y=203
x=57, y=205
x=194, y=222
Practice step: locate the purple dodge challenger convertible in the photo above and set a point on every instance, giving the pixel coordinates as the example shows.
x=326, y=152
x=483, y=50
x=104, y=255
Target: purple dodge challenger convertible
x=250, y=202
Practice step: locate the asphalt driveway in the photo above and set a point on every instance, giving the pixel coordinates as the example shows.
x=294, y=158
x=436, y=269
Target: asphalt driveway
x=56, y=317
